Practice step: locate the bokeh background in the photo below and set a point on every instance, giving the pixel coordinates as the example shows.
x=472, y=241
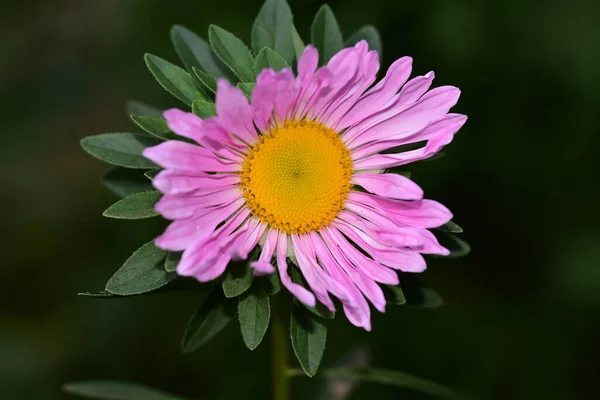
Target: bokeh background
x=522, y=177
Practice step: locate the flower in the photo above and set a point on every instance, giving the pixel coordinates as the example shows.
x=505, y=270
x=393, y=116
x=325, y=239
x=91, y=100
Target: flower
x=300, y=172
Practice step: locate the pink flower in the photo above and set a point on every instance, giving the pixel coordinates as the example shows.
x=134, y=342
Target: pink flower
x=300, y=173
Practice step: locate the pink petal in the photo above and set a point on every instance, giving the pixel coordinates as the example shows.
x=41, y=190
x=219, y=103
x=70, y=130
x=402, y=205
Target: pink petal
x=377, y=97
x=298, y=291
x=188, y=157
x=183, y=123
x=174, y=182
x=389, y=185
x=234, y=112
x=430, y=107
x=263, y=265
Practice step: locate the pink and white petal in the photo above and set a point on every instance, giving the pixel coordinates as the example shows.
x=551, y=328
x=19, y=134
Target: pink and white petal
x=188, y=157
x=172, y=182
x=410, y=93
x=372, y=268
x=380, y=95
x=355, y=306
x=388, y=185
x=432, y=106
x=184, y=206
x=419, y=214
x=184, y=123
x=263, y=265
x=444, y=127
x=367, y=75
x=305, y=296
x=263, y=99
x=234, y=111
x=247, y=243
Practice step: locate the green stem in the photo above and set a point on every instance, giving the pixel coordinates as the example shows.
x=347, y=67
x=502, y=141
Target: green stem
x=280, y=348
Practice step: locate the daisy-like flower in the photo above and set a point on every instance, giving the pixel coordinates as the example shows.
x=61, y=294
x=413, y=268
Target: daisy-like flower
x=300, y=172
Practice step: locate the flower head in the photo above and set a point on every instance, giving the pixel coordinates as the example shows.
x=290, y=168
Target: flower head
x=300, y=171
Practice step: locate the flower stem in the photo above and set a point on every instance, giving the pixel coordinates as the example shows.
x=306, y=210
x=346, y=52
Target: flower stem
x=280, y=349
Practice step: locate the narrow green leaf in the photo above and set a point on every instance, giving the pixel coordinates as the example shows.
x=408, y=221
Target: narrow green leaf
x=273, y=28
x=100, y=294
x=175, y=80
x=137, y=206
x=122, y=149
x=451, y=227
x=237, y=279
x=457, y=246
x=268, y=58
x=124, y=181
x=233, y=52
x=156, y=127
x=308, y=335
x=195, y=52
x=247, y=88
x=142, y=272
x=271, y=283
x=371, y=35
x=394, y=378
x=254, y=313
x=151, y=174
x=298, y=43
x=208, y=81
x=136, y=107
x=209, y=320
x=326, y=34
x=393, y=294
x=112, y=390
x=204, y=109
x=172, y=261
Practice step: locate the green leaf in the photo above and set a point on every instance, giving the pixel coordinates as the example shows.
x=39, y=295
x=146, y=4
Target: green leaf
x=100, y=294
x=271, y=283
x=142, y=272
x=451, y=227
x=135, y=107
x=254, y=313
x=195, y=52
x=247, y=88
x=237, y=279
x=326, y=34
x=122, y=149
x=156, y=127
x=209, y=320
x=394, y=378
x=111, y=390
x=457, y=246
x=208, y=81
x=137, y=206
x=393, y=294
x=268, y=58
x=298, y=43
x=172, y=261
x=308, y=336
x=233, y=52
x=371, y=35
x=151, y=174
x=124, y=182
x=175, y=80
x=204, y=109
x=273, y=28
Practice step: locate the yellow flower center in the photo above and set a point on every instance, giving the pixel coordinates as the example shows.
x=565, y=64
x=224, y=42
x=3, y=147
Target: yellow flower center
x=297, y=177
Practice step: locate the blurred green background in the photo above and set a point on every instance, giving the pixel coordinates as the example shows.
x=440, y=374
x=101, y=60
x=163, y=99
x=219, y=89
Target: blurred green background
x=522, y=320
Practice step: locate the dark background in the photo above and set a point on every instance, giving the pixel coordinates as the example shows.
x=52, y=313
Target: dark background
x=521, y=178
